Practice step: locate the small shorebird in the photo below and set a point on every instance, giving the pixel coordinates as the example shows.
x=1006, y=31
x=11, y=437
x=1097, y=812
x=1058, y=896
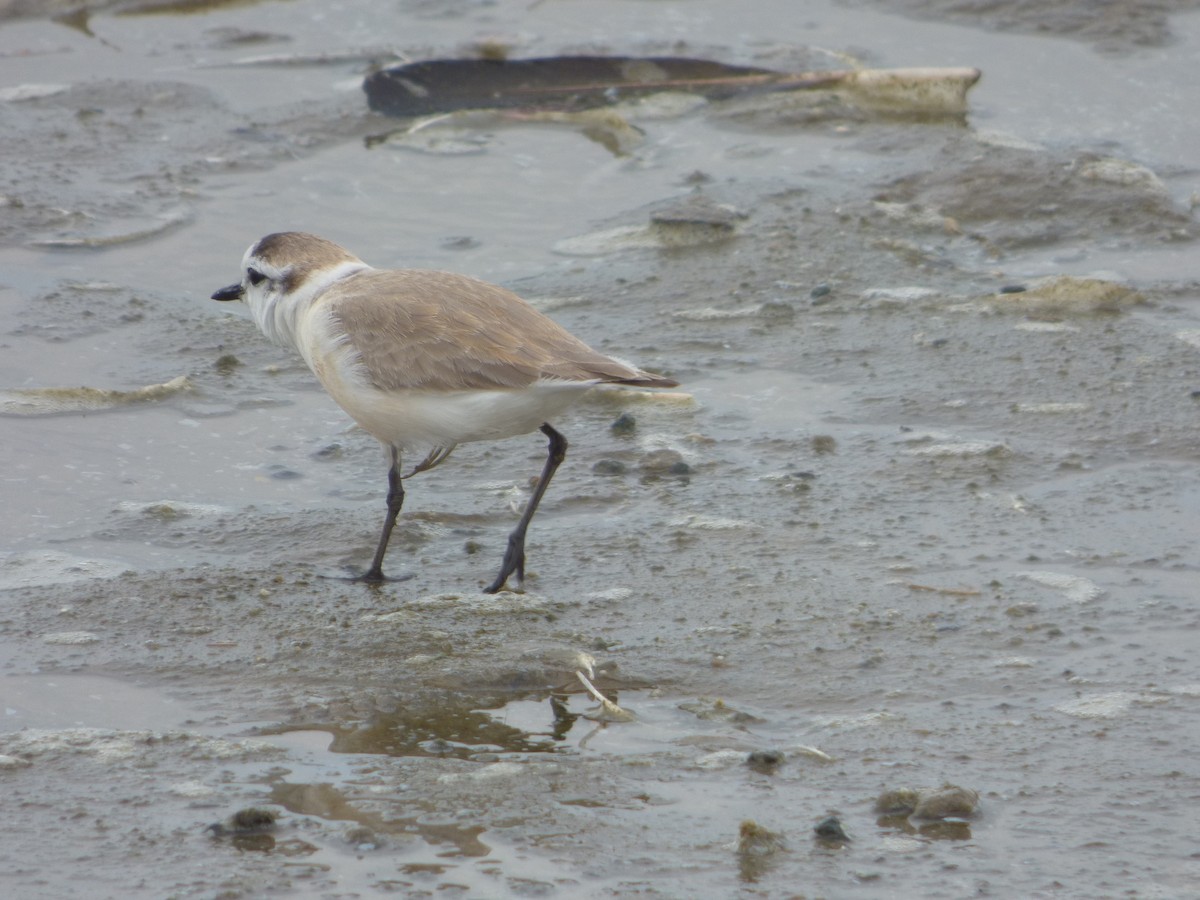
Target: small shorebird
x=423, y=360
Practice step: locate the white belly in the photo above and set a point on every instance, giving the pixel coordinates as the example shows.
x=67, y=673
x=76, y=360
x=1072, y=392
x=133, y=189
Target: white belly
x=417, y=420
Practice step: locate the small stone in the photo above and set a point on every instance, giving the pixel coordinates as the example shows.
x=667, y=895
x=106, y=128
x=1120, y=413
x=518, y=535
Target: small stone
x=949, y=801
x=697, y=210
x=758, y=850
x=824, y=443
x=830, y=829
x=623, y=424
x=252, y=820
x=897, y=801
x=753, y=838
x=777, y=311
x=765, y=761
x=821, y=290
x=661, y=460
x=608, y=467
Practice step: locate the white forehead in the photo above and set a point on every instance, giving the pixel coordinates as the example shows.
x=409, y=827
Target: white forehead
x=252, y=260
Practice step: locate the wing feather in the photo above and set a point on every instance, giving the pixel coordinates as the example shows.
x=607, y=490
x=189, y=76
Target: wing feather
x=416, y=329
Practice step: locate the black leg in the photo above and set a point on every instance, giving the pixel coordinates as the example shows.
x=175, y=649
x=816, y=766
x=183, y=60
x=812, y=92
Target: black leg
x=514, y=557
x=395, y=500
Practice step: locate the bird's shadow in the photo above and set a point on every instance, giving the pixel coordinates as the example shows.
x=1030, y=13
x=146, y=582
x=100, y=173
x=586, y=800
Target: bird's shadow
x=351, y=576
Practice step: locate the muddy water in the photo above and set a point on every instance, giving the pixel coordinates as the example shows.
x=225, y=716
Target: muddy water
x=902, y=529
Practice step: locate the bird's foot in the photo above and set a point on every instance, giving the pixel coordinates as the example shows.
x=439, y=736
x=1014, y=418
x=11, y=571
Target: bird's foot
x=500, y=585
x=514, y=564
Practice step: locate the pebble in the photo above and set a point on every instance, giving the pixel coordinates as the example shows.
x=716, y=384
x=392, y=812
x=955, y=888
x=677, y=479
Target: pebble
x=753, y=837
x=830, y=829
x=609, y=467
x=328, y=452
x=252, y=820
x=623, y=424
x=898, y=801
x=665, y=460
x=949, y=801
x=765, y=761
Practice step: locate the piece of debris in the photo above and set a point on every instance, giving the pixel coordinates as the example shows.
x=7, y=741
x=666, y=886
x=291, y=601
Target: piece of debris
x=574, y=83
x=609, y=711
x=61, y=401
x=251, y=820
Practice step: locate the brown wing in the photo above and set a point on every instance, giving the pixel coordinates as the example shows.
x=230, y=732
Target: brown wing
x=415, y=328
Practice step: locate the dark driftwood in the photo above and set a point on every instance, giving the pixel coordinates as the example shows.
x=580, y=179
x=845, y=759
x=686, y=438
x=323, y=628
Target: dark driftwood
x=563, y=82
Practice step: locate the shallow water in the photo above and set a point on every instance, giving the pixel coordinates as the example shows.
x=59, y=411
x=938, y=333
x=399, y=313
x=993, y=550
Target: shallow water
x=921, y=533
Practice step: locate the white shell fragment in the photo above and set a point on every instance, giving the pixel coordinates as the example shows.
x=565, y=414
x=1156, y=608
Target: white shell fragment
x=1073, y=587
x=960, y=449
x=925, y=89
x=1100, y=706
x=19, y=92
x=70, y=637
x=1121, y=172
x=1052, y=408
x=61, y=401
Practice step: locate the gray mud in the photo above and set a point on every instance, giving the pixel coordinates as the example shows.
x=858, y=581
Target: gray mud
x=1114, y=26
x=923, y=512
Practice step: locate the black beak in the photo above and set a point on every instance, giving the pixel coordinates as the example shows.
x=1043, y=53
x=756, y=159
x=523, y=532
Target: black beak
x=233, y=292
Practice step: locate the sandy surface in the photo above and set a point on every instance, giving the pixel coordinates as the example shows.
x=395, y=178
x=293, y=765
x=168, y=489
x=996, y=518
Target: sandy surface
x=923, y=512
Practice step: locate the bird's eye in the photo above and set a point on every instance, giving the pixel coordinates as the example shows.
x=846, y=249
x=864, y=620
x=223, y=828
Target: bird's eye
x=255, y=276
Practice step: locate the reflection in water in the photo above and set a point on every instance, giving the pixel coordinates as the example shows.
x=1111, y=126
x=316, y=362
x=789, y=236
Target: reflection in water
x=946, y=830
x=758, y=851
x=327, y=802
x=563, y=718
x=937, y=830
x=460, y=727
x=253, y=843
x=440, y=732
x=456, y=727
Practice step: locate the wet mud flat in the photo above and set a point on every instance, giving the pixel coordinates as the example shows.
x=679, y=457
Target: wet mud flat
x=925, y=516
